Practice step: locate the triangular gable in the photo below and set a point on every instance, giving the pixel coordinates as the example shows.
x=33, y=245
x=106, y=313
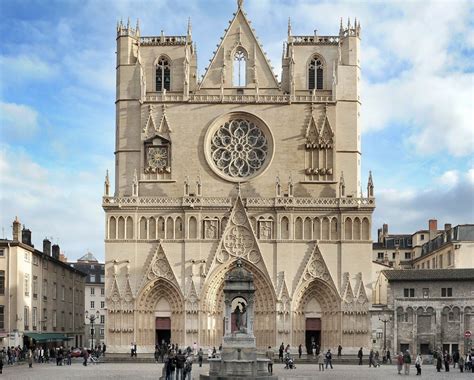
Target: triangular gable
x=315, y=268
x=158, y=266
x=239, y=33
x=326, y=133
x=151, y=129
x=346, y=290
x=360, y=293
x=128, y=298
x=312, y=133
x=113, y=295
x=238, y=241
x=150, y=126
x=192, y=300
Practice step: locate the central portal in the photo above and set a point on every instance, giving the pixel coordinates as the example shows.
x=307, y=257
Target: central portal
x=162, y=330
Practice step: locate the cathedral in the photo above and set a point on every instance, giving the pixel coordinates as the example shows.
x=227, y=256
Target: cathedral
x=238, y=165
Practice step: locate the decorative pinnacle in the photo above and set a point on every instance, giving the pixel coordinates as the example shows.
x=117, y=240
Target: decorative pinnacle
x=289, y=26
x=240, y=3
x=189, y=27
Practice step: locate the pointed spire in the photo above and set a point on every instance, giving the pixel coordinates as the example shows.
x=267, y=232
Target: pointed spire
x=341, y=28
x=189, y=31
x=277, y=186
x=128, y=23
x=342, y=186
x=348, y=23
x=240, y=3
x=186, y=186
x=137, y=28
x=370, y=186
x=289, y=28
x=199, y=186
x=106, y=184
x=290, y=186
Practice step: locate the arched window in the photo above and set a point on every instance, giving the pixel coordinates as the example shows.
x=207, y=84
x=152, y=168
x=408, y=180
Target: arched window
x=163, y=75
x=315, y=74
x=239, y=73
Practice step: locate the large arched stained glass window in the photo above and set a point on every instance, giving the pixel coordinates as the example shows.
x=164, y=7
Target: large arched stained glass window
x=163, y=75
x=315, y=74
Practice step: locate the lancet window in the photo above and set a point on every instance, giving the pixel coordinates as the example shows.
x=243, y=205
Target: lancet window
x=315, y=73
x=239, y=74
x=163, y=75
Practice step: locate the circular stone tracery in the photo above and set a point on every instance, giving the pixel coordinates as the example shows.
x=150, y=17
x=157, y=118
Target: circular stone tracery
x=239, y=147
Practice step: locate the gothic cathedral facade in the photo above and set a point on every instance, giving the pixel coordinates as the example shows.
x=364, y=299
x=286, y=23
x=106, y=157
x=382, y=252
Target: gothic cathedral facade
x=238, y=165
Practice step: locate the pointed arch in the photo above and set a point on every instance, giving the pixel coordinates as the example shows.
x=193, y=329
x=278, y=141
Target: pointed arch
x=162, y=74
x=316, y=229
x=316, y=73
x=307, y=229
x=169, y=228
x=192, y=228
x=143, y=227
x=298, y=228
x=179, y=228
x=239, y=67
x=112, y=227
x=152, y=228
x=325, y=229
x=348, y=229
x=121, y=227
x=334, y=229
x=357, y=229
x=284, y=228
x=161, y=227
x=365, y=229
x=129, y=227
x=265, y=305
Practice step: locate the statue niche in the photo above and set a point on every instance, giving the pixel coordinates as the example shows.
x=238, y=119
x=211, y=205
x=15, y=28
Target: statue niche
x=239, y=315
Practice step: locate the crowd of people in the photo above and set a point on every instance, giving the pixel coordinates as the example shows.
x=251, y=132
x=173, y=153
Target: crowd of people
x=178, y=363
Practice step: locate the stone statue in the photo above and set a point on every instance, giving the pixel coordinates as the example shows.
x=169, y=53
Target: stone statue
x=241, y=317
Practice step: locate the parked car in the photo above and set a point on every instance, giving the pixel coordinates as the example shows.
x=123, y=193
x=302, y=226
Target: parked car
x=76, y=353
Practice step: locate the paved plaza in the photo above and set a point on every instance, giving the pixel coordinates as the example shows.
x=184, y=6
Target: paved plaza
x=153, y=371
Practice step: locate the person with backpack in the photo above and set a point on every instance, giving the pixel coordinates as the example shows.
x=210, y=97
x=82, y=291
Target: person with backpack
x=188, y=367
x=320, y=360
x=329, y=359
x=407, y=362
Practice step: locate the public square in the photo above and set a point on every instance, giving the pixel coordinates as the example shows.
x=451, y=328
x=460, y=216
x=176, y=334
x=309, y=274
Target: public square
x=153, y=371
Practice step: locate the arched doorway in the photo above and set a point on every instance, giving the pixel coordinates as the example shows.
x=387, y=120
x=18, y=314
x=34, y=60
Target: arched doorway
x=317, y=309
x=160, y=313
x=212, y=321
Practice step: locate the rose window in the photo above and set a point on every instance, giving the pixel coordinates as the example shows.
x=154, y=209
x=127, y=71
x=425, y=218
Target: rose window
x=239, y=148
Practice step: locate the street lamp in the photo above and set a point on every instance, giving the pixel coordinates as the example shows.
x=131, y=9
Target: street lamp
x=385, y=321
x=92, y=317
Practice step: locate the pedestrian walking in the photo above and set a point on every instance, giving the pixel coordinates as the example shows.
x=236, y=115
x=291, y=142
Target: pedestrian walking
x=131, y=349
x=407, y=362
x=270, y=354
x=180, y=360
x=300, y=351
x=399, y=363
x=439, y=361
x=389, y=359
x=418, y=363
x=371, y=358
x=85, y=355
x=461, y=363
x=313, y=348
x=200, y=355
x=188, y=367
x=30, y=359
x=447, y=359
x=360, y=355
x=157, y=353
x=320, y=359
x=339, y=351
x=329, y=359
x=2, y=358
x=280, y=351
x=455, y=358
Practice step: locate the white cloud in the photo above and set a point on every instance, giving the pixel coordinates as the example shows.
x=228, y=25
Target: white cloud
x=17, y=120
x=449, y=199
x=26, y=67
x=58, y=202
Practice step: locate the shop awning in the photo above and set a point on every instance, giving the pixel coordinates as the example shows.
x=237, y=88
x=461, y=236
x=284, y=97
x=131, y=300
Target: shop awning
x=48, y=337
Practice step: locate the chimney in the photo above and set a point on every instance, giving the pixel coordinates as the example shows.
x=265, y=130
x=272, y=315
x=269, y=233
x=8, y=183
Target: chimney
x=16, y=229
x=47, y=247
x=447, y=226
x=433, y=228
x=26, y=237
x=385, y=229
x=56, y=251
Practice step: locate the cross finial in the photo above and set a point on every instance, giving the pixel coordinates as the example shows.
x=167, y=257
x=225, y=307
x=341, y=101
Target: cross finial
x=240, y=3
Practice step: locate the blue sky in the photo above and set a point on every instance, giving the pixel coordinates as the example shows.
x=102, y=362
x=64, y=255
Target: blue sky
x=57, y=113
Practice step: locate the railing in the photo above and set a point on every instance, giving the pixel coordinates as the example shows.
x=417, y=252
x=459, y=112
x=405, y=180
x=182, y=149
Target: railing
x=253, y=98
x=315, y=40
x=298, y=202
x=163, y=40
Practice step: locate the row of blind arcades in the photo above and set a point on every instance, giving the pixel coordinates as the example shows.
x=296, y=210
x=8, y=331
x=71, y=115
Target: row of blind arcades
x=315, y=72
x=265, y=228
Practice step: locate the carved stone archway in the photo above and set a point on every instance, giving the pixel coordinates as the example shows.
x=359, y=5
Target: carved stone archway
x=330, y=302
x=146, y=302
x=212, y=307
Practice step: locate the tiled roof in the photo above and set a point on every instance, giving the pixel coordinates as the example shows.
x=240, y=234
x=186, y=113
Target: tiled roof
x=88, y=257
x=429, y=274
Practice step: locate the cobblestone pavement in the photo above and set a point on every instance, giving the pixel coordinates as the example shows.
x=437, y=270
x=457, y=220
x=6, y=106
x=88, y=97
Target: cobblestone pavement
x=153, y=371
